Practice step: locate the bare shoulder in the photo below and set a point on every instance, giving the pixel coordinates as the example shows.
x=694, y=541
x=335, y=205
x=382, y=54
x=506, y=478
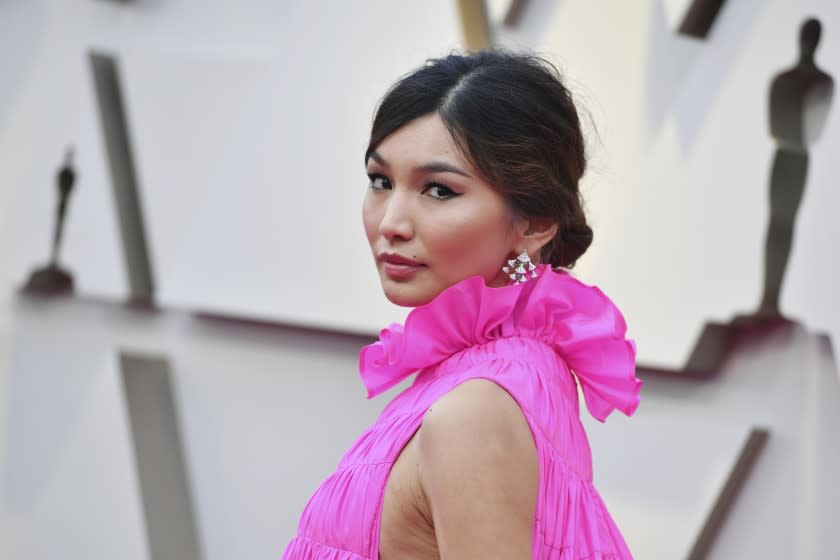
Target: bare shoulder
x=481, y=417
x=478, y=469
x=476, y=407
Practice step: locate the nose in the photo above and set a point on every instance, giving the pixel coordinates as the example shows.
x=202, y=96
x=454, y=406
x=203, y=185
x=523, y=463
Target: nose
x=397, y=219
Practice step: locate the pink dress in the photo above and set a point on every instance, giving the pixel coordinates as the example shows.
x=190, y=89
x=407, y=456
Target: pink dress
x=537, y=340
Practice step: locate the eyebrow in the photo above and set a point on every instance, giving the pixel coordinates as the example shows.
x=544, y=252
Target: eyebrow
x=431, y=167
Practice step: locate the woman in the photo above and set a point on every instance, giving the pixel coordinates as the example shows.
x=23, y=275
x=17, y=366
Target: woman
x=472, y=214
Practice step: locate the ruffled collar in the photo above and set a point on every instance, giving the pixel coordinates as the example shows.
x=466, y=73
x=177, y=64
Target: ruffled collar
x=581, y=323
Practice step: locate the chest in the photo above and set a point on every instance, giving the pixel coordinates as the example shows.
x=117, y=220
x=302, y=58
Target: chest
x=406, y=529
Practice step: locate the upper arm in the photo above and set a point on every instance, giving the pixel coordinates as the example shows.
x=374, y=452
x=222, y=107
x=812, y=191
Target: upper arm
x=479, y=472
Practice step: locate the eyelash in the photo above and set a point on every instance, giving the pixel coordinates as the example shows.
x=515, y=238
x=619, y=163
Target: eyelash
x=451, y=194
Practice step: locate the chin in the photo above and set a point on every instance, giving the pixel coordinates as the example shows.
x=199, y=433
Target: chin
x=405, y=294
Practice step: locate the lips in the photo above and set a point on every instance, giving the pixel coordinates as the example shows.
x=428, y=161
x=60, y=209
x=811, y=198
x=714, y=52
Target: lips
x=398, y=267
x=393, y=258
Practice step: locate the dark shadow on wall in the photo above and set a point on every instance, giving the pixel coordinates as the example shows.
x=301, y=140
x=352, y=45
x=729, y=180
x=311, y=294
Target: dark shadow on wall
x=159, y=456
x=735, y=481
x=699, y=18
x=526, y=23
x=523, y=23
x=685, y=76
x=787, y=377
x=117, y=138
x=800, y=98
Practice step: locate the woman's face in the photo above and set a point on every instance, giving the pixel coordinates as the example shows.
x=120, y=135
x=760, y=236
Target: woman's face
x=426, y=204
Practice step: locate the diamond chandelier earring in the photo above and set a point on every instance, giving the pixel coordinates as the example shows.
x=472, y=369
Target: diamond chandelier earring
x=519, y=268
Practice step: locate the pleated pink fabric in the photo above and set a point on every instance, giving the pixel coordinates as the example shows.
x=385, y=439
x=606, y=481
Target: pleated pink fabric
x=537, y=340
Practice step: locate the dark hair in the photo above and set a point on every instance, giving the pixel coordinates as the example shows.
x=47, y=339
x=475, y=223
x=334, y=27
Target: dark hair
x=511, y=116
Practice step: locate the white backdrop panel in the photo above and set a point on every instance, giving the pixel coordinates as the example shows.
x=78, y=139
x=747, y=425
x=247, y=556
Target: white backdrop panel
x=250, y=121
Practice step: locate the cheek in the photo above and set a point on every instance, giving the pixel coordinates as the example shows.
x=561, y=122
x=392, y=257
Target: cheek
x=370, y=219
x=469, y=242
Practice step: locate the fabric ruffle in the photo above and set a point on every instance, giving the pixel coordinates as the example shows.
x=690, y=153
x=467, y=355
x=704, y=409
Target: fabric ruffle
x=571, y=520
x=573, y=523
x=304, y=547
x=579, y=321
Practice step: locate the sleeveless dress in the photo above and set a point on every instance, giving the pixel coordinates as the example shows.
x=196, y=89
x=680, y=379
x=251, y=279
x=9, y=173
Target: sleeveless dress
x=538, y=340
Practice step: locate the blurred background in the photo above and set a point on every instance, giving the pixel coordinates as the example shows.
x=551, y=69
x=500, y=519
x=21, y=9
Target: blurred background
x=185, y=282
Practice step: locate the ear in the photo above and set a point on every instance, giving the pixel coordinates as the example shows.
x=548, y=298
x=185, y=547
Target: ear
x=535, y=233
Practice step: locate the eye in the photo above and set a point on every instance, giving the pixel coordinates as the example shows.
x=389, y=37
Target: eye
x=378, y=182
x=443, y=192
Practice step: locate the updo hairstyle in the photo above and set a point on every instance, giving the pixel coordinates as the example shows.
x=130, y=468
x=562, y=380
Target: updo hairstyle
x=513, y=119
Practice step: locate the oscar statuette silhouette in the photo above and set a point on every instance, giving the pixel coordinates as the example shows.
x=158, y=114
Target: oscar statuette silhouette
x=799, y=102
x=800, y=98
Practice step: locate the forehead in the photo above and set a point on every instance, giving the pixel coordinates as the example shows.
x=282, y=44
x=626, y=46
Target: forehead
x=419, y=141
